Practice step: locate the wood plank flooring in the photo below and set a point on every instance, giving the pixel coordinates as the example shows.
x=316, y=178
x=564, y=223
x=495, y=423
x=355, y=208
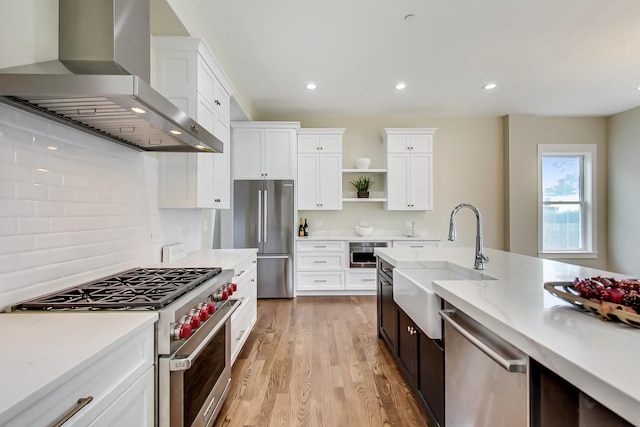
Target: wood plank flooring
x=317, y=361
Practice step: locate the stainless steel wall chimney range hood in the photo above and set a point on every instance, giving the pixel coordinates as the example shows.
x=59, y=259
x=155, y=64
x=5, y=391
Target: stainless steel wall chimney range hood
x=107, y=44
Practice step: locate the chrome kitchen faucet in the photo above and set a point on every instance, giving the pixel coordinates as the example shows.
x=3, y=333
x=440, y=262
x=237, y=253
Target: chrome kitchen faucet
x=480, y=258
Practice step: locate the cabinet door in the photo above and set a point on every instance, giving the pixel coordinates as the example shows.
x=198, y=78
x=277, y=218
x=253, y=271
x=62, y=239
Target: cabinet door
x=330, y=181
x=177, y=180
x=247, y=153
x=408, y=347
x=279, y=154
x=204, y=180
x=134, y=407
x=308, y=171
x=420, y=182
x=308, y=143
x=421, y=143
x=221, y=170
x=176, y=78
x=330, y=143
x=388, y=313
x=398, y=143
x=430, y=381
x=398, y=176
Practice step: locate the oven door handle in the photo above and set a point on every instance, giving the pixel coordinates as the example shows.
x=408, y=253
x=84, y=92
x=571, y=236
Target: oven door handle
x=182, y=363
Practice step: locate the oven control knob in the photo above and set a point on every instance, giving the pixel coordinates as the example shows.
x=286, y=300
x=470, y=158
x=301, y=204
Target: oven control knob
x=182, y=331
x=211, y=308
x=195, y=322
x=203, y=314
x=225, y=294
x=221, y=295
x=234, y=286
x=229, y=290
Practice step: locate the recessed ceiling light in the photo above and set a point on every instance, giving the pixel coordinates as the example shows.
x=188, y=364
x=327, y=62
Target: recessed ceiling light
x=138, y=110
x=490, y=86
x=311, y=86
x=401, y=86
x=175, y=132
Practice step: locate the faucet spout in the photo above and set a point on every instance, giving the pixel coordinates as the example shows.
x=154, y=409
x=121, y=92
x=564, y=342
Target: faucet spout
x=480, y=257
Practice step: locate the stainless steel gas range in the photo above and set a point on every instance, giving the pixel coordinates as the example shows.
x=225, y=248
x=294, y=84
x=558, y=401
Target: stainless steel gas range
x=193, y=337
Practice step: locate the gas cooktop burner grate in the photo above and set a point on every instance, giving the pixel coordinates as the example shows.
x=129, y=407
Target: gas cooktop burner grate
x=139, y=288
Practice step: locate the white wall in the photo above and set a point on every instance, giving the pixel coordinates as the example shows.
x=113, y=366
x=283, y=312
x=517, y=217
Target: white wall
x=624, y=187
x=83, y=211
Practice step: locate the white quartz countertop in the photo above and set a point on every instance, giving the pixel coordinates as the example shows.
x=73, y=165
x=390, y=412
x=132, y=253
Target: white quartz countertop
x=224, y=258
x=43, y=350
x=351, y=236
x=600, y=358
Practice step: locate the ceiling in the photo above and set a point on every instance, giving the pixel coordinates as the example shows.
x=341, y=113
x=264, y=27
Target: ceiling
x=548, y=57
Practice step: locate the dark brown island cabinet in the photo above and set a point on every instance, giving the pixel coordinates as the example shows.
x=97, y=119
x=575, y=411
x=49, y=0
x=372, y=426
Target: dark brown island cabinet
x=420, y=359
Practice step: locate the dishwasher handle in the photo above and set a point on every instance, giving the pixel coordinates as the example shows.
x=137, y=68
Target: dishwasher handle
x=509, y=364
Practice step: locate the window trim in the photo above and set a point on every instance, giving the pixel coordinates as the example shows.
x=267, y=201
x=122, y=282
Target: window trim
x=588, y=198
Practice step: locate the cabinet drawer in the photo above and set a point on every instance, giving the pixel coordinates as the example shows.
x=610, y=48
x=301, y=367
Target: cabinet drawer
x=410, y=143
x=105, y=380
x=362, y=279
x=246, y=286
x=319, y=282
x=321, y=246
x=415, y=244
x=242, y=322
x=321, y=261
x=244, y=270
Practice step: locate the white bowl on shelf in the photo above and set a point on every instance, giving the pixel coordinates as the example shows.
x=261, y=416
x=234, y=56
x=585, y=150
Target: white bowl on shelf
x=364, y=231
x=363, y=162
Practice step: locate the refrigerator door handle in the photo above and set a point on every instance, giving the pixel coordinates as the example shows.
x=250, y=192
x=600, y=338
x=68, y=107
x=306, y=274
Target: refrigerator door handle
x=266, y=209
x=259, y=215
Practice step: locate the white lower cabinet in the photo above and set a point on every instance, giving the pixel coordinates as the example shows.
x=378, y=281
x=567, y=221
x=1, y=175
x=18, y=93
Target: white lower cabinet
x=322, y=268
x=120, y=385
x=415, y=244
x=246, y=315
x=362, y=279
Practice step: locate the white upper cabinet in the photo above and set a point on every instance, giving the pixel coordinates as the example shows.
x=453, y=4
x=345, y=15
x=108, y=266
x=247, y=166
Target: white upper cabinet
x=320, y=169
x=264, y=150
x=188, y=74
x=409, y=168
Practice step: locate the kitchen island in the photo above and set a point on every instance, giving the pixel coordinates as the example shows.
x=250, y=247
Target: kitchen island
x=596, y=357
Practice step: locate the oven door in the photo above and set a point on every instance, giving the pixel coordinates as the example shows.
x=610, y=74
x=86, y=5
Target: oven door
x=194, y=380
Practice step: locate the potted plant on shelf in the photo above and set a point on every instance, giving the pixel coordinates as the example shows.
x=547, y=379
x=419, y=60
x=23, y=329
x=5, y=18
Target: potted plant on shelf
x=363, y=184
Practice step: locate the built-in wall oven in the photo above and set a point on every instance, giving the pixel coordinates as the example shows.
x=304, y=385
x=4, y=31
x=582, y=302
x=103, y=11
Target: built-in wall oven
x=361, y=254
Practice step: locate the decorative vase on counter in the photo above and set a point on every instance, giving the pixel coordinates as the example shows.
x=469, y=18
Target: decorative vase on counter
x=363, y=194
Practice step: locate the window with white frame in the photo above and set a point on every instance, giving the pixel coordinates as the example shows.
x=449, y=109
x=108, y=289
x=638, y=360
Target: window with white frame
x=566, y=200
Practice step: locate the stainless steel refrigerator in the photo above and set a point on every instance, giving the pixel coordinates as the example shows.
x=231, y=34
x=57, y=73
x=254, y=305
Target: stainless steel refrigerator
x=263, y=219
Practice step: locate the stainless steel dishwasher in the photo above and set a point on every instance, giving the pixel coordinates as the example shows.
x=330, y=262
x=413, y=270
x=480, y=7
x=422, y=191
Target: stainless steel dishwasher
x=485, y=377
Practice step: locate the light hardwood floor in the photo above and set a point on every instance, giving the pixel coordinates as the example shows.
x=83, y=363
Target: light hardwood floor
x=317, y=361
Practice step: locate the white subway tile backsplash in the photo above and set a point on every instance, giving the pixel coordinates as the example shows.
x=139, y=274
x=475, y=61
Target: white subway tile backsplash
x=8, y=226
x=33, y=225
x=16, y=244
x=16, y=208
x=90, y=214
x=62, y=194
x=47, y=208
x=28, y=191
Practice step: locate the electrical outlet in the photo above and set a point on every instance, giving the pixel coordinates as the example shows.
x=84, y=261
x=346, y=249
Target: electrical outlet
x=205, y=226
x=317, y=223
x=364, y=223
x=407, y=223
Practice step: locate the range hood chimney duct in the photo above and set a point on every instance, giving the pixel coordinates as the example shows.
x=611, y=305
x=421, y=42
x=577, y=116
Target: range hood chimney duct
x=106, y=44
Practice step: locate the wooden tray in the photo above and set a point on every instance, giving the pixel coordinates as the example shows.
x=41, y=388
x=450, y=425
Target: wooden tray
x=565, y=291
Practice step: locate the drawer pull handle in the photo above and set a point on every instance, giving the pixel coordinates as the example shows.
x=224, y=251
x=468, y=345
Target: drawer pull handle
x=240, y=336
x=320, y=281
x=82, y=402
x=386, y=270
x=319, y=262
x=368, y=280
x=254, y=261
x=417, y=246
x=320, y=246
x=253, y=280
x=385, y=283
